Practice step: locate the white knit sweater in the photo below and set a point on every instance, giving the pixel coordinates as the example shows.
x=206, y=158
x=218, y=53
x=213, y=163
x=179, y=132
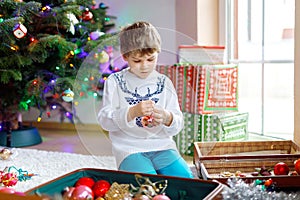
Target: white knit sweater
x=124, y=89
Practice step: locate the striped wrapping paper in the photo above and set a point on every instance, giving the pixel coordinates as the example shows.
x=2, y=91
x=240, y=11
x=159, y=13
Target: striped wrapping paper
x=204, y=89
x=211, y=127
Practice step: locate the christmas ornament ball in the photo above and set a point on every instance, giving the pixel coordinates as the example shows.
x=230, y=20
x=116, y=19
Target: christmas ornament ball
x=161, y=197
x=281, y=168
x=103, y=57
x=87, y=181
x=5, y=154
x=7, y=190
x=87, y=15
x=100, y=188
x=68, y=95
x=297, y=166
x=96, y=34
x=82, y=192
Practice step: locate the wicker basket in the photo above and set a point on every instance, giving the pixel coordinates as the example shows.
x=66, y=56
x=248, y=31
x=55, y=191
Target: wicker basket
x=250, y=149
x=213, y=160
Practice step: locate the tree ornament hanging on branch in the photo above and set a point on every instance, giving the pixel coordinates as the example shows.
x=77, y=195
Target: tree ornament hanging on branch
x=103, y=57
x=68, y=95
x=19, y=30
x=87, y=15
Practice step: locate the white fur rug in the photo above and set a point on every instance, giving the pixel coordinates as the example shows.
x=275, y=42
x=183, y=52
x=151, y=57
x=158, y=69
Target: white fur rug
x=49, y=165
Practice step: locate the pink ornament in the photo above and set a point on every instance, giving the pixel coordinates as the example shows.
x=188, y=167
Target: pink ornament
x=7, y=190
x=161, y=197
x=9, y=179
x=81, y=192
x=96, y=34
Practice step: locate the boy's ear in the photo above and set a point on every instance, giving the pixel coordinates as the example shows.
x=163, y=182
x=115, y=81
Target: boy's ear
x=125, y=58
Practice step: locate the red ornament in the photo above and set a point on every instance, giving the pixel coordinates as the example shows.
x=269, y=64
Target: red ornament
x=281, y=168
x=9, y=179
x=147, y=121
x=87, y=181
x=297, y=166
x=87, y=15
x=100, y=188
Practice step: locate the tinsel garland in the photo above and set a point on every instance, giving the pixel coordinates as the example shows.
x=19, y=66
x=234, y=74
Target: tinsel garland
x=238, y=189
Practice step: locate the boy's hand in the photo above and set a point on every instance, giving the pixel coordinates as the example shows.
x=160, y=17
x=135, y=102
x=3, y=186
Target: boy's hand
x=143, y=108
x=161, y=116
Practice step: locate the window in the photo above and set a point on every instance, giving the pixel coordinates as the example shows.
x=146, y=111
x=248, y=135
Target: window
x=260, y=39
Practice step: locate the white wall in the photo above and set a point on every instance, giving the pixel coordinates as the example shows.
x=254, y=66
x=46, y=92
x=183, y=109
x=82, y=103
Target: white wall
x=159, y=13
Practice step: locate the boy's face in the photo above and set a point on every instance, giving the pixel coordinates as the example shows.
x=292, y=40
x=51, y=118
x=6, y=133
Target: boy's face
x=141, y=65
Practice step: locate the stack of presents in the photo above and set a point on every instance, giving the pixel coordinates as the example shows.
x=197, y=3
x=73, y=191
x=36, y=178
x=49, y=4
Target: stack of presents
x=208, y=96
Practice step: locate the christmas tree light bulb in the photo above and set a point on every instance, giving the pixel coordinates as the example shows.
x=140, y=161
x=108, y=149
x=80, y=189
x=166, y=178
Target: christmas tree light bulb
x=39, y=119
x=32, y=39
x=13, y=48
x=77, y=51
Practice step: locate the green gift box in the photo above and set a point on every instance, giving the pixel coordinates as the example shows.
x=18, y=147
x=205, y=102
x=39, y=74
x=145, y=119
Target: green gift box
x=211, y=127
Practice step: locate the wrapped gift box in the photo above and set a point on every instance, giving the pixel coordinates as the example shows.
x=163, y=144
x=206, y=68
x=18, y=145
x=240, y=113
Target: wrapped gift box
x=177, y=188
x=212, y=159
x=197, y=54
x=211, y=127
x=204, y=89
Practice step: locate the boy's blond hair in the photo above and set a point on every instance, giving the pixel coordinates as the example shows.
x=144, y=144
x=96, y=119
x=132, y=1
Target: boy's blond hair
x=139, y=38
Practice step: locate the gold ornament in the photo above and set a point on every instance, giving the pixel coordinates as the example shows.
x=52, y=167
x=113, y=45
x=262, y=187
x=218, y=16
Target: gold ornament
x=118, y=191
x=5, y=154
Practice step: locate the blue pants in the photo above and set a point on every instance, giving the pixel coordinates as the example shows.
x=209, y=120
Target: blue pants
x=167, y=162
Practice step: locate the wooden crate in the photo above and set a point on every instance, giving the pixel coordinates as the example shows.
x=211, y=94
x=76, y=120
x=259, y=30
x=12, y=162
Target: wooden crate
x=212, y=159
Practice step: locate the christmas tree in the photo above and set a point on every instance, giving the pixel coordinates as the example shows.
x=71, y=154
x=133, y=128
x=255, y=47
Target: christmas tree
x=43, y=46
